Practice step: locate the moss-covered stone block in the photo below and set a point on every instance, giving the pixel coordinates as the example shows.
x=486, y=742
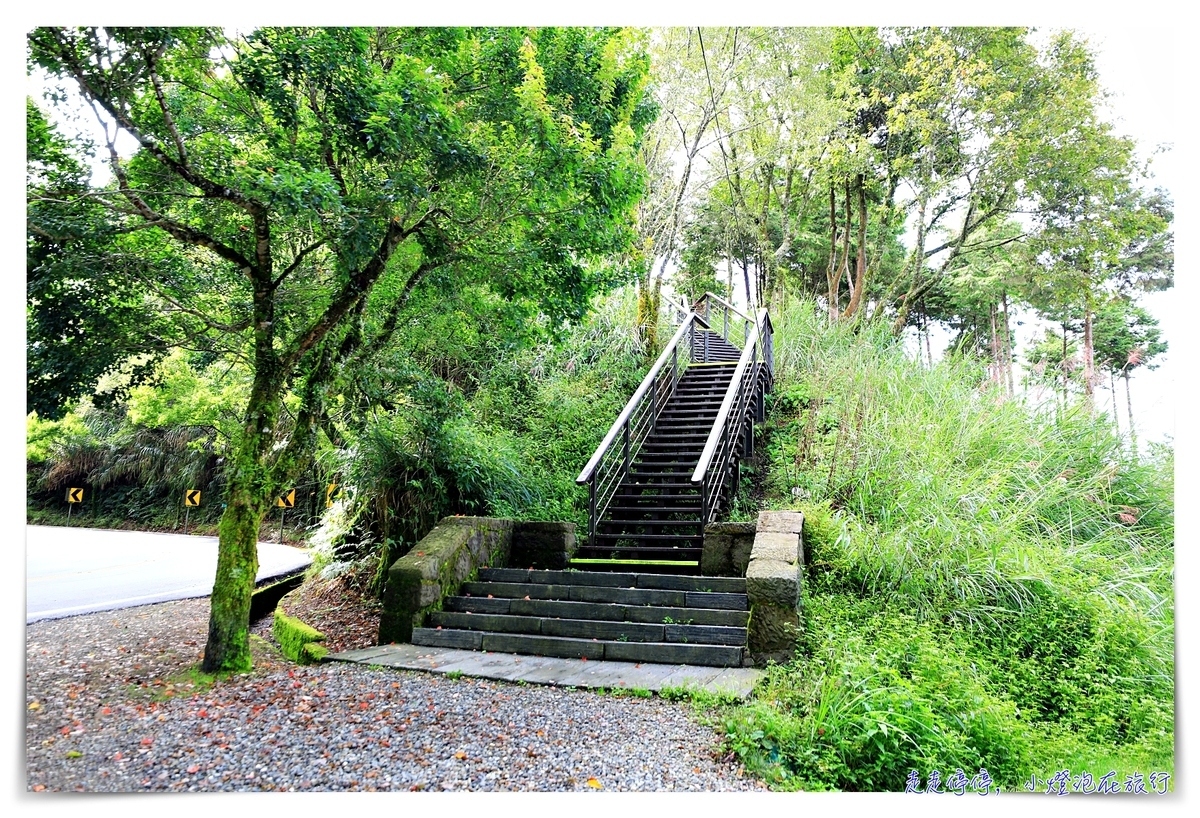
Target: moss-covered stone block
x=449, y=555
x=297, y=640
x=313, y=652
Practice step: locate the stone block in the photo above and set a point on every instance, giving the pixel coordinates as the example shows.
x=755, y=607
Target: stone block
x=773, y=583
x=703, y=599
x=783, y=522
x=773, y=633
x=776, y=546
x=463, y=640
x=543, y=545
x=739, y=554
x=729, y=585
x=543, y=645
x=715, y=558
x=599, y=629
x=704, y=634
x=295, y=637
x=674, y=653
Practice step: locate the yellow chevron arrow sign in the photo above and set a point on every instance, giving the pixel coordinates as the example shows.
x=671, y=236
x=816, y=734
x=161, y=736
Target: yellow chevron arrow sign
x=287, y=499
x=75, y=495
x=191, y=497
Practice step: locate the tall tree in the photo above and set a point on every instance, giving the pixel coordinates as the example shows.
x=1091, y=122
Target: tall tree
x=308, y=181
x=1127, y=337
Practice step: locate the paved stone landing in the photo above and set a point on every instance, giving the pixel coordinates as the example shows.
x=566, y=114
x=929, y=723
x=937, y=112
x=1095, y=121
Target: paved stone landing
x=549, y=670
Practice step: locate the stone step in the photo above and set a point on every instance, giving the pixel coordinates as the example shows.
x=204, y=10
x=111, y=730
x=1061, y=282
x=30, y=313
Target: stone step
x=603, y=629
x=734, y=585
x=561, y=646
x=671, y=598
x=597, y=610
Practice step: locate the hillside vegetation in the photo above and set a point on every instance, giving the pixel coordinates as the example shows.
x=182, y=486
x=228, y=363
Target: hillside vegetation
x=988, y=585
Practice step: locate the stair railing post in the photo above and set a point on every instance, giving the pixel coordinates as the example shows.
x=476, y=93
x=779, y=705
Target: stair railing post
x=592, y=510
x=706, y=347
x=654, y=406
x=725, y=325
x=625, y=444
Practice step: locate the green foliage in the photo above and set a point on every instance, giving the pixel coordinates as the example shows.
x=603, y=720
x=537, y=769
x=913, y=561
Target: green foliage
x=988, y=585
x=501, y=427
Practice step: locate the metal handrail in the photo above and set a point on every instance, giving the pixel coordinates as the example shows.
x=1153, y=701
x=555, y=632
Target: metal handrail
x=724, y=303
x=609, y=465
x=740, y=391
x=603, y=474
x=638, y=394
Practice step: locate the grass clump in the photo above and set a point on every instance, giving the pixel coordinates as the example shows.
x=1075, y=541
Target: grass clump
x=989, y=585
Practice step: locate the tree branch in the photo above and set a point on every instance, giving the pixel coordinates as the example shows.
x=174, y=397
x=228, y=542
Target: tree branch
x=296, y=262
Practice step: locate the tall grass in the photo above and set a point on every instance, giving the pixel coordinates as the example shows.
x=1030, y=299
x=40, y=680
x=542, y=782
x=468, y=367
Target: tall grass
x=1034, y=543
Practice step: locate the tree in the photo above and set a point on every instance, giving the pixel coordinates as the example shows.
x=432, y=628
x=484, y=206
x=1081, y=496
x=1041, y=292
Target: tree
x=82, y=321
x=292, y=189
x=1126, y=337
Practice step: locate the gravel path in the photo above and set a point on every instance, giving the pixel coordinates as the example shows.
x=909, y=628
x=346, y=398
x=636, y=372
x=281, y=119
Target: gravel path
x=110, y=709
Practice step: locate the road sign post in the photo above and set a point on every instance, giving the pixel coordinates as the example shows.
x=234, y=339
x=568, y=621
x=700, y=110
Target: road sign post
x=191, y=497
x=284, y=501
x=74, y=495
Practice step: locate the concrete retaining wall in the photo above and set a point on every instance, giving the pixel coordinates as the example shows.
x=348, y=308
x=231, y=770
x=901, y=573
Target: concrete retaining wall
x=452, y=553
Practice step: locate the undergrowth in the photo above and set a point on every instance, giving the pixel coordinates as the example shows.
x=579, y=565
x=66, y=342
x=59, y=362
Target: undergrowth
x=988, y=585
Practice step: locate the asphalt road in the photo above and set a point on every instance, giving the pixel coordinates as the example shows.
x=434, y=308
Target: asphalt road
x=71, y=571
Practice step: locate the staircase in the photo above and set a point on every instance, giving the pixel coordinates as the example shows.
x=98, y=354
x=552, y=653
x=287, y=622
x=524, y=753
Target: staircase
x=666, y=468
x=629, y=617
x=656, y=512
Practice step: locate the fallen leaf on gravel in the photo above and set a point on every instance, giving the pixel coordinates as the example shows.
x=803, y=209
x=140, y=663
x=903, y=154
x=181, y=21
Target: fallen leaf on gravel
x=195, y=768
x=460, y=755
x=203, y=713
x=146, y=742
x=34, y=706
x=39, y=787
x=106, y=711
x=594, y=784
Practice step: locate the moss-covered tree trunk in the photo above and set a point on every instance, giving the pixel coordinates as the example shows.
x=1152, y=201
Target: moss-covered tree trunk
x=228, y=645
x=247, y=500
